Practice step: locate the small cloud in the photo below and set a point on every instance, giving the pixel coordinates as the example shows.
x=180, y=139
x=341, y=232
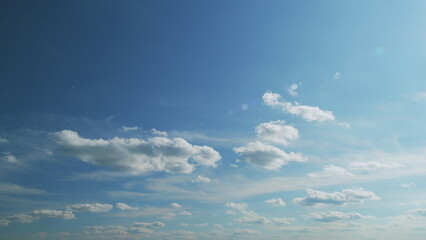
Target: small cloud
x=168, y=216
x=408, y=185
x=318, y=198
x=337, y=75
x=176, y=205
x=418, y=96
x=158, y=133
x=292, y=90
x=201, y=179
x=90, y=207
x=8, y=157
x=276, y=202
x=128, y=129
x=3, y=140
x=277, y=132
x=185, y=213
x=374, y=166
x=330, y=171
x=331, y=216
x=123, y=206
x=149, y=224
x=244, y=107
x=233, y=165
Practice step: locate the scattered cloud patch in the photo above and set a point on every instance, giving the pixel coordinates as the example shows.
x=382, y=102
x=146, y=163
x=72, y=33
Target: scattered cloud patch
x=185, y=213
x=308, y=113
x=277, y=132
x=128, y=129
x=3, y=140
x=149, y=224
x=7, y=188
x=138, y=156
x=266, y=156
x=90, y=207
x=156, y=132
x=418, y=96
x=276, y=202
x=8, y=157
x=331, y=216
x=40, y=214
x=374, y=166
x=408, y=185
x=337, y=75
x=233, y=165
x=249, y=216
x=318, y=198
x=330, y=171
x=168, y=216
x=123, y=206
x=292, y=90
x=284, y=221
x=416, y=212
x=201, y=179
x=176, y=205
x=4, y=222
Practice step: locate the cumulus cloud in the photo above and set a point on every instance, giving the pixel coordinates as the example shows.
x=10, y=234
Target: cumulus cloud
x=137, y=156
x=128, y=129
x=149, y=224
x=308, y=113
x=277, y=132
x=330, y=171
x=158, y=133
x=276, y=202
x=318, y=198
x=292, y=90
x=201, y=179
x=331, y=216
x=176, y=205
x=267, y=156
x=373, y=166
x=90, y=207
x=44, y=213
x=8, y=157
x=123, y=206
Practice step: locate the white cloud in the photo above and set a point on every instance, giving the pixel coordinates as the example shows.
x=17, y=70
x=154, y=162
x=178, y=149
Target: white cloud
x=112, y=229
x=3, y=140
x=373, y=166
x=249, y=217
x=276, y=202
x=185, y=213
x=158, y=133
x=123, y=206
x=267, y=156
x=330, y=171
x=244, y=231
x=8, y=157
x=416, y=212
x=137, y=156
x=168, y=216
x=201, y=179
x=128, y=129
x=277, y=132
x=292, y=90
x=4, y=222
x=418, y=96
x=149, y=224
x=176, y=205
x=233, y=165
x=284, y=220
x=7, y=188
x=331, y=216
x=308, y=113
x=408, y=185
x=90, y=207
x=44, y=213
x=318, y=198
x=337, y=75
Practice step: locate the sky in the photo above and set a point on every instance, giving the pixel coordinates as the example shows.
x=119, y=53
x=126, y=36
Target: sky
x=170, y=120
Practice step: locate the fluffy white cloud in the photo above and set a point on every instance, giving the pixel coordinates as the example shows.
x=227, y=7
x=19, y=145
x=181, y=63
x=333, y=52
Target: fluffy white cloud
x=158, y=133
x=330, y=171
x=44, y=213
x=149, y=224
x=276, y=202
x=123, y=206
x=128, y=129
x=373, y=166
x=90, y=207
x=318, y=198
x=8, y=157
x=308, y=113
x=137, y=156
x=277, y=132
x=331, y=216
x=176, y=205
x=267, y=156
x=201, y=179
x=292, y=90
x=7, y=188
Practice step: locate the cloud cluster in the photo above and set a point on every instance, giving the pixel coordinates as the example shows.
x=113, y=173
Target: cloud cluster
x=90, y=207
x=137, y=156
x=123, y=206
x=251, y=217
x=308, y=113
x=331, y=216
x=201, y=179
x=318, y=198
x=267, y=156
x=277, y=132
x=40, y=214
x=276, y=202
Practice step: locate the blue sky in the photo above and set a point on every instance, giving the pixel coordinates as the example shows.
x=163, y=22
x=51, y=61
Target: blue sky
x=212, y=120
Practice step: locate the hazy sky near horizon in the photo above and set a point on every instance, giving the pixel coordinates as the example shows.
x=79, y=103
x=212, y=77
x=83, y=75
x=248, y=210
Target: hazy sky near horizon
x=212, y=120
